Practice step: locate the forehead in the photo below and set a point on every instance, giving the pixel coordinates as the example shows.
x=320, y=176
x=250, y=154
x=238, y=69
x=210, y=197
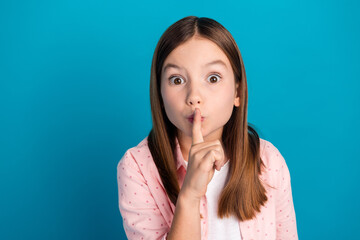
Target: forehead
x=196, y=52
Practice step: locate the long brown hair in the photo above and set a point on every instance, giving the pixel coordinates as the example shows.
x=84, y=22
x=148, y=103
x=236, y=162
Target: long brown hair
x=244, y=193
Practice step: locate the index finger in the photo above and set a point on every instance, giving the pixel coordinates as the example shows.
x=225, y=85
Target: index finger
x=197, y=136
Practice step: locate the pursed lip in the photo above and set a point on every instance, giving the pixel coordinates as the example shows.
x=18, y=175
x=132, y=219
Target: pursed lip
x=191, y=119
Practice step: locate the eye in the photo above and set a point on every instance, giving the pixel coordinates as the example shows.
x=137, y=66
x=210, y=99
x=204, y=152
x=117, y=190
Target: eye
x=177, y=80
x=213, y=78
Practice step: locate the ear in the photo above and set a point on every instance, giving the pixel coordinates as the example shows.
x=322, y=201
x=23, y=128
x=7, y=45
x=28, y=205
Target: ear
x=237, y=98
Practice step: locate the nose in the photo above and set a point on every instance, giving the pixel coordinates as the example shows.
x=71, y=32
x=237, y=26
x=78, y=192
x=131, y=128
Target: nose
x=194, y=102
x=194, y=98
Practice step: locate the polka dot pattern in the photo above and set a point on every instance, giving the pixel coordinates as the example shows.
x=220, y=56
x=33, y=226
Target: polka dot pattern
x=147, y=212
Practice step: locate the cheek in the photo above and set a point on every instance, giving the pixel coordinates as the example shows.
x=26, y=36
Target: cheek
x=165, y=94
x=172, y=97
x=224, y=105
x=226, y=97
x=169, y=100
x=171, y=104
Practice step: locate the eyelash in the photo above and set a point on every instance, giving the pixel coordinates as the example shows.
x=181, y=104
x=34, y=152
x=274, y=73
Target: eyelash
x=212, y=74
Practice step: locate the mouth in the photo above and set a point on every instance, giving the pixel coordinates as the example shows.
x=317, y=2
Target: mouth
x=191, y=119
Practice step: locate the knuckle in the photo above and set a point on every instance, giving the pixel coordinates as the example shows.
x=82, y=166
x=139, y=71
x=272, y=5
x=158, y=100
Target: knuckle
x=196, y=157
x=214, y=151
x=218, y=147
x=203, y=167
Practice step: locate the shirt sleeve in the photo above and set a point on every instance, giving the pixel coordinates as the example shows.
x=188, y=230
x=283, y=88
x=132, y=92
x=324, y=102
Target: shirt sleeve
x=285, y=213
x=140, y=214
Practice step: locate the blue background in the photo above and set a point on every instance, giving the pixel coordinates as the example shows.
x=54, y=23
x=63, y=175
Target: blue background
x=74, y=96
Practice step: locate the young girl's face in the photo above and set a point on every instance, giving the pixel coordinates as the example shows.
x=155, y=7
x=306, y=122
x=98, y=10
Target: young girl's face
x=198, y=74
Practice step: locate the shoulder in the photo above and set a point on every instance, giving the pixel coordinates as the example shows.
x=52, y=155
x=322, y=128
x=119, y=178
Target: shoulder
x=270, y=154
x=136, y=155
x=275, y=168
x=138, y=161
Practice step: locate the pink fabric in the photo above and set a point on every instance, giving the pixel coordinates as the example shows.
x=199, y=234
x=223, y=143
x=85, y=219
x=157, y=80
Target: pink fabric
x=147, y=211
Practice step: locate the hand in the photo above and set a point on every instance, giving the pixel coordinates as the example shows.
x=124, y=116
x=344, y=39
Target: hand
x=204, y=158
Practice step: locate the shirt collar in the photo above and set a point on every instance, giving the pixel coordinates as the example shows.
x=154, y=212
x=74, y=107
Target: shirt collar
x=179, y=157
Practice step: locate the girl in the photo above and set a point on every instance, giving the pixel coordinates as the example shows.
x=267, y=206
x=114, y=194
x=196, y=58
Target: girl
x=168, y=186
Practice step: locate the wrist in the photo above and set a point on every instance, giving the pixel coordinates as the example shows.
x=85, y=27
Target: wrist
x=185, y=198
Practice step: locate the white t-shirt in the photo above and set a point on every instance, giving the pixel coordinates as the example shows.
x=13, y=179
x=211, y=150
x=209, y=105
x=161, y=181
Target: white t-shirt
x=220, y=229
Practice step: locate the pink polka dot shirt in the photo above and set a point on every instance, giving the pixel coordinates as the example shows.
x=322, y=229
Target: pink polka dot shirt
x=147, y=212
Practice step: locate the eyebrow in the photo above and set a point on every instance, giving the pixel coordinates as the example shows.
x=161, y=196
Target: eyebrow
x=171, y=65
